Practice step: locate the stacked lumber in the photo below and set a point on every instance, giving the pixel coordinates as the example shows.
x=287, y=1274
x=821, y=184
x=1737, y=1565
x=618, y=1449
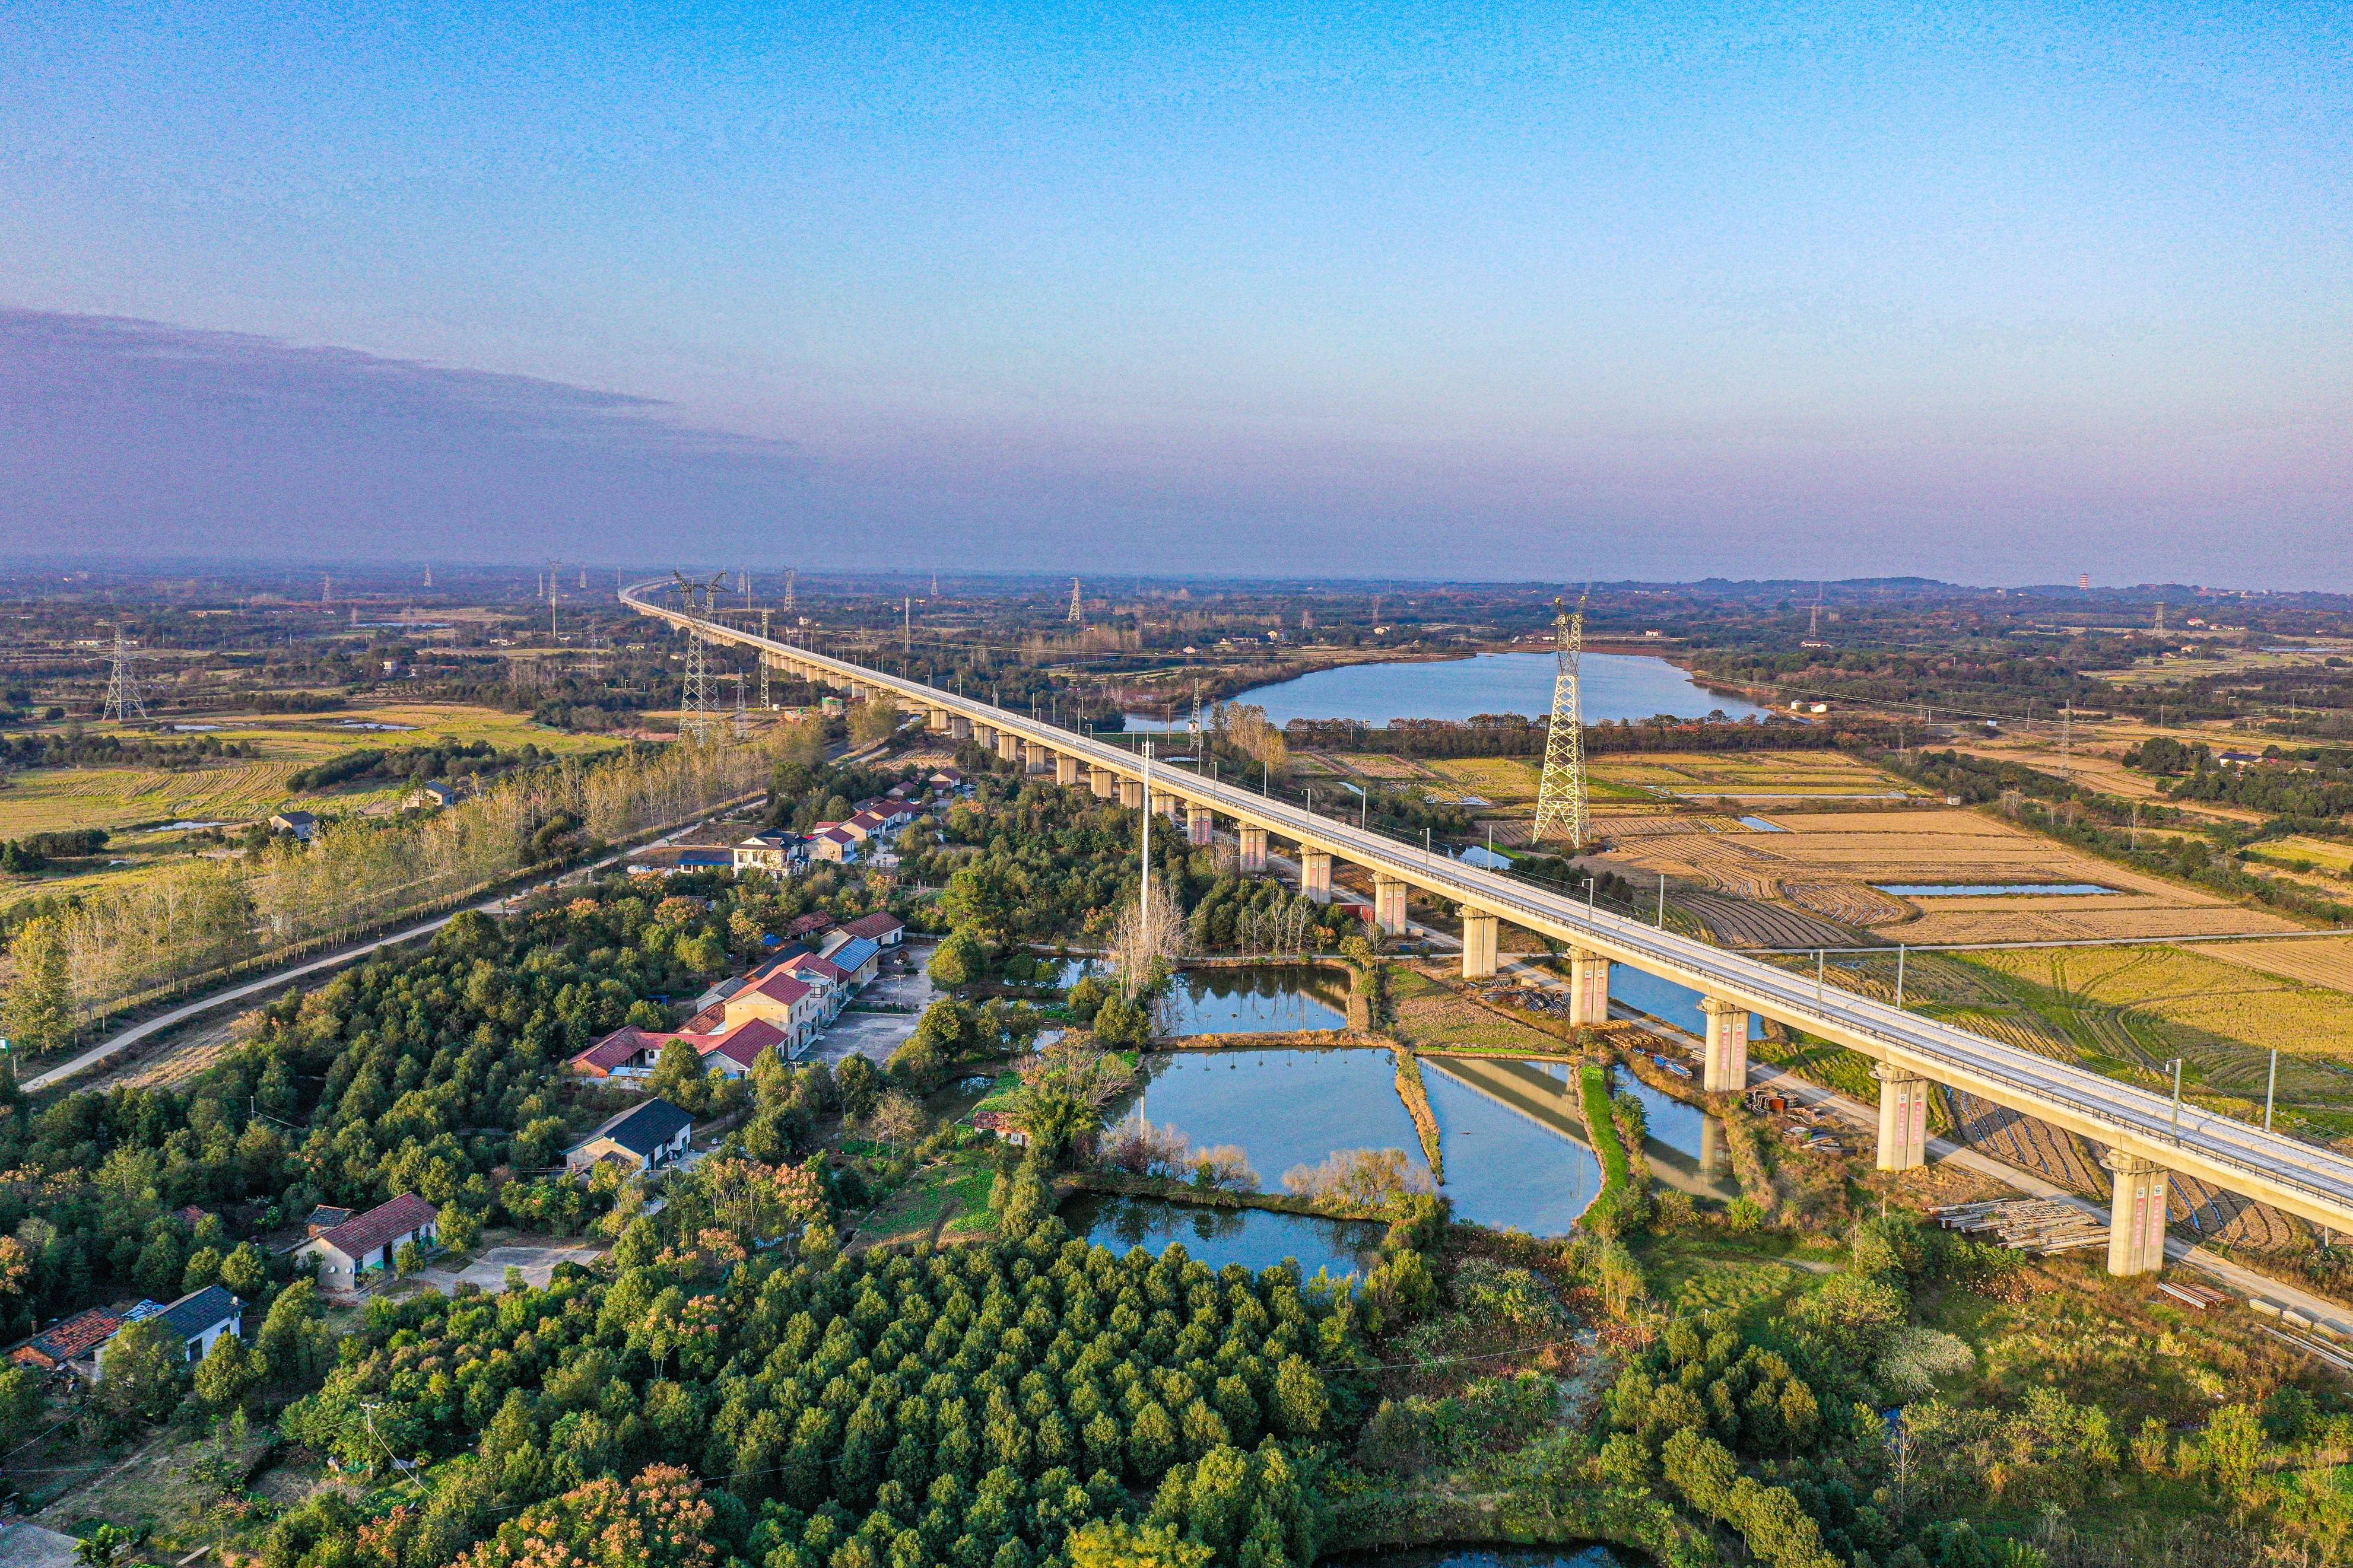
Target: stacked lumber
x=2025, y=1225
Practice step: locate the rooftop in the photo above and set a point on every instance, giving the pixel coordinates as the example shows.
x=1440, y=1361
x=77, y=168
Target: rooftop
x=380, y=1226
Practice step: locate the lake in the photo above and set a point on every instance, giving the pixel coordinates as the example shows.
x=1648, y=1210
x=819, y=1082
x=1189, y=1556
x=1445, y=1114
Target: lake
x=1614, y=685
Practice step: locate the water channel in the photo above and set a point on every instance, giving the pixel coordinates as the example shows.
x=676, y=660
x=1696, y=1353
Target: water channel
x=1253, y=999
x=1614, y=685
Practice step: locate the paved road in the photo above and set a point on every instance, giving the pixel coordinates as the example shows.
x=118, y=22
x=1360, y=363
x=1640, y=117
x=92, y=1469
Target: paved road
x=276, y=981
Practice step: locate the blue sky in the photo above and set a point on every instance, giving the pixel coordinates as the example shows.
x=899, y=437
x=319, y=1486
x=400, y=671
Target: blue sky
x=1994, y=292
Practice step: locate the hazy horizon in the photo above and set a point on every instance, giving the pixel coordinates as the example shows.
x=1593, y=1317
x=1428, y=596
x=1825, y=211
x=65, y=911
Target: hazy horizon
x=1996, y=295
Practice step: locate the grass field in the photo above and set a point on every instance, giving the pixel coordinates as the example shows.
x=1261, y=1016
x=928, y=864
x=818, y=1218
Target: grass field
x=1824, y=774
x=2321, y=853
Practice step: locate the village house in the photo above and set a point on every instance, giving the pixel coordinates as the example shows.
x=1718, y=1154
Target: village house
x=197, y=1320
x=370, y=1241
x=783, y=999
x=627, y=1052
x=648, y=1137
x=735, y=1053
x=778, y=854
x=429, y=796
x=885, y=932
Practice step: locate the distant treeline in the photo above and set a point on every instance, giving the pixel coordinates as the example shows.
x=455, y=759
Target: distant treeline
x=442, y=760
x=74, y=749
x=34, y=852
x=1515, y=735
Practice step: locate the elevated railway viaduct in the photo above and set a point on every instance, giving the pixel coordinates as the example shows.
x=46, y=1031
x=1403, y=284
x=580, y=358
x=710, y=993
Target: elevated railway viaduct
x=2147, y=1136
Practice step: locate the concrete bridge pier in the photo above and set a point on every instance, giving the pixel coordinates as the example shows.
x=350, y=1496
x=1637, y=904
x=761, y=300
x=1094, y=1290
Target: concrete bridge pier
x=986, y=735
x=1902, y=1118
x=1712, y=1157
x=1066, y=769
x=1131, y=794
x=936, y=720
x=959, y=727
x=1726, y=1057
x=1200, y=826
x=1104, y=783
x=1254, y=850
x=2135, y=1214
x=1315, y=874
x=1588, y=988
x=1478, y=944
x=1008, y=746
x=1171, y=805
x=1389, y=904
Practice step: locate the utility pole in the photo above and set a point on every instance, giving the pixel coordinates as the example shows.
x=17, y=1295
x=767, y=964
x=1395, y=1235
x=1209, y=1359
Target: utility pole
x=2271, y=1086
x=907, y=625
x=763, y=660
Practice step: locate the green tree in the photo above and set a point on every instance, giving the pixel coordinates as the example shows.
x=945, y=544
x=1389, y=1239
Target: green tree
x=21, y=1405
x=109, y=1543
x=959, y=960
x=141, y=1373
x=295, y=1341
x=1119, y=1545
x=228, y=1374
x=38, y=1014
x=678, y=1076
x=203, y=1268
x=659, y=1520
x=982, y=900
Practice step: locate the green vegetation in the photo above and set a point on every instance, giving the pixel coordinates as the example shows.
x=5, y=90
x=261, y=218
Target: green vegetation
x=1025, y=1401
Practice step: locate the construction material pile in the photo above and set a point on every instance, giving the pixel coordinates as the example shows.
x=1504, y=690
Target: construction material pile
x=2025, y=1224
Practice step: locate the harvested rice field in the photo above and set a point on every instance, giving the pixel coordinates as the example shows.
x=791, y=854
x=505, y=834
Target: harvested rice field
x=1764, y=776
x=1836, y=866
x=2311, y=961
x=2133, y=1007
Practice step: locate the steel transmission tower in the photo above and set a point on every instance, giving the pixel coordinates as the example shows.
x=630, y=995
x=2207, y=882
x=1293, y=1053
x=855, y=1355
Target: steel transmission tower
x=694, y=717
x=1560, y=799
x=123, y=702
x=792, y=576
x=1078, y=616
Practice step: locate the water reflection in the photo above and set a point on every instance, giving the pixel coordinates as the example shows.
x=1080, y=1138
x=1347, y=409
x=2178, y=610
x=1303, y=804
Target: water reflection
x=1678, y=1004
x=1245, y=999
x=1255, y=1238
x=1281, y=1107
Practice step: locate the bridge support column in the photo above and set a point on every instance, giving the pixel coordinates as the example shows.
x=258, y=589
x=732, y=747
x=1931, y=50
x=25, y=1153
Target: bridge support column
x=1104, y=783
x=1200, y=826
x=1588, y=988
x=986, y=735
x=1170, y=804
x=1315, y=874
x=2135, y=1214
x=1254, y=850
x=960, y=727
x=935, y=719
x=1066, y=771
x=1727, y=1058
x=1131, y=794
x=1389, y=905
x=1902, y=1118
x=1008, y=746
x=1478, y=944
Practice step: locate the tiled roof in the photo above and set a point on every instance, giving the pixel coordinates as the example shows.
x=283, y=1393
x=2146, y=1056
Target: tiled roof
x=709, y=1021
x=810, y=963
x=382, y=1224
x=744, y=1044
x=195, y=1312
x=782, y=987
x=642, y=1129
x=807, y=923
x=875, y=927
x=617, y=1048
x=62, y=1341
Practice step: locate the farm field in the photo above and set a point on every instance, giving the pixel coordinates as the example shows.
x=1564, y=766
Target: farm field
x=2222, y=1017
x=42, y=800
x=1762, y=776
x=2322, y=961
x=1827, y=863
x=2323, y=854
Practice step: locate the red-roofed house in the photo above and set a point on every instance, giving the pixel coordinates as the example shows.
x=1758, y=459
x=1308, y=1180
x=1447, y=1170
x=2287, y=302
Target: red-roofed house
x=829, y=979
x=809, y=925
x=626, y=1052
x=783, y=999
x=836, y=841
x=737, y=1051
x=370, y=1241
x=884, y=930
